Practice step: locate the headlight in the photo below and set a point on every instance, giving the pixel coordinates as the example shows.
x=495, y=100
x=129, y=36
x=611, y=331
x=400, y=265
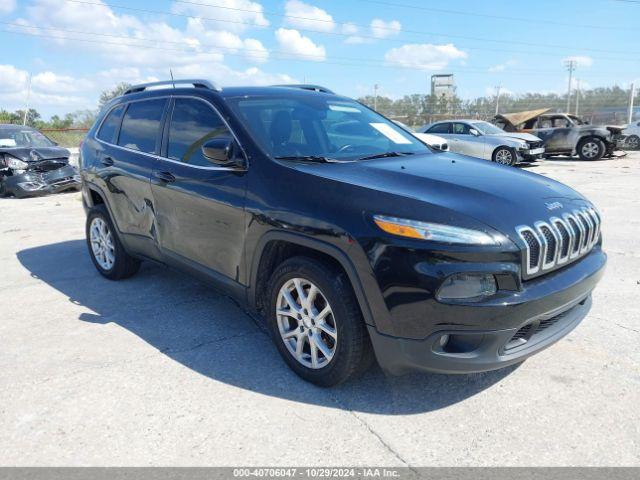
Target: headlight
x=15, y=164
x=523, y=146
x=467, y=286
x=432, y=231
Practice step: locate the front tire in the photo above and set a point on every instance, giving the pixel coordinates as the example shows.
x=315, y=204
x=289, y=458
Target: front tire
x=591, y=149
x=106, y=250
x=505, y=156
x=633, y=142
x=316, y=323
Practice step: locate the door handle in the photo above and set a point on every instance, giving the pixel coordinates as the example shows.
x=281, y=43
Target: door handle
x=164, y=176
x=106, y=161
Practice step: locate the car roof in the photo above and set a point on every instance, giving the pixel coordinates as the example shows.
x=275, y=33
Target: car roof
x=14, y=127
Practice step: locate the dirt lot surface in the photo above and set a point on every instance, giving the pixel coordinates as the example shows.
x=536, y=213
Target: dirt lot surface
x=162, y=370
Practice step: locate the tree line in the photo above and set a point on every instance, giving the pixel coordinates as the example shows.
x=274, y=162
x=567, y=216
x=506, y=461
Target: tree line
x=604, y=104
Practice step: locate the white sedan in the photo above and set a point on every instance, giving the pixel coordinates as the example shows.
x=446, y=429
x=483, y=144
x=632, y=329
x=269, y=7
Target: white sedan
x=434, y=141
x=633, y=135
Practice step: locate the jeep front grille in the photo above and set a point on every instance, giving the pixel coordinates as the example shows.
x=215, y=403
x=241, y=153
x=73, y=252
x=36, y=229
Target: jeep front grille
x=557, y=241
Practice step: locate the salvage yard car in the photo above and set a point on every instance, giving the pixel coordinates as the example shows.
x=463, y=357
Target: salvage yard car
x=565, y=134
x=632, y=132
x=480, y=139
x=434, y=141
x=348, y=242
x=31, y=164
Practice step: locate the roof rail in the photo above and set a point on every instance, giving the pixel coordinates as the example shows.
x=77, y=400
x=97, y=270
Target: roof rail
x=197, y=83
x=304, y=86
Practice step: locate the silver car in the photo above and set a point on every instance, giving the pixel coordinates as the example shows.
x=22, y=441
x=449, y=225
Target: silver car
x=476, y=138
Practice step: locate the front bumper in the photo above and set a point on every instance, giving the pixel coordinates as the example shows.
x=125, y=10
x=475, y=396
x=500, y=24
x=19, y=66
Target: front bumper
x=546, y=309
x=532, y=154
x=35, y=184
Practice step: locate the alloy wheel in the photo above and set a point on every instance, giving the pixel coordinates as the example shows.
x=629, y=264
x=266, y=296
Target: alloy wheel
x=306, y=323
x=102, y=245
x=504, y=156
x=633, y=142
x=590, y=150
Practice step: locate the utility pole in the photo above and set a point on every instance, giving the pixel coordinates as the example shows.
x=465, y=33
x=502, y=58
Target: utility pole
x=26, y=107
x=577, y=96
x=375, y=97
x=498, y=87
x=571, y=66
x=631, y=96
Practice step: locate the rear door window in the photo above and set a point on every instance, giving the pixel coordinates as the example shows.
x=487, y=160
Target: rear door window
x=141, y=125
x=110, y=125
x=461, y=129
x=439, y=128
x=193, y=123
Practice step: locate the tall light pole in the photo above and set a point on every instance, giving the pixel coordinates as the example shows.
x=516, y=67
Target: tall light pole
x=571, y=65
x=26, y=107
x=498, y=87
x=631, y=97
x=375, y=97
x=577, y=96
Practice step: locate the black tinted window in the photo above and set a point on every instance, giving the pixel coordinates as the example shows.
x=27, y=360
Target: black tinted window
x=110, y=125
x=141, y=125
x=439, y=128
x=461, y=129
x=193, y=123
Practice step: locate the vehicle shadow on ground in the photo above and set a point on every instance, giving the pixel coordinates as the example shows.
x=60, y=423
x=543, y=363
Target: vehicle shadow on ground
x=208, y=333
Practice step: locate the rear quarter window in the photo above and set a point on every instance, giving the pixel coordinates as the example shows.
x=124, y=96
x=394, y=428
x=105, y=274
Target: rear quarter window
x=109, y=127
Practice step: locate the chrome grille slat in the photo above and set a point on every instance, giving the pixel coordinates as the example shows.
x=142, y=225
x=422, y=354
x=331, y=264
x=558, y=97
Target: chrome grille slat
x=552, y=243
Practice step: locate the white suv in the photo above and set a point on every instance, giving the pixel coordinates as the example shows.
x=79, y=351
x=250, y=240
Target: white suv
x=633, y=135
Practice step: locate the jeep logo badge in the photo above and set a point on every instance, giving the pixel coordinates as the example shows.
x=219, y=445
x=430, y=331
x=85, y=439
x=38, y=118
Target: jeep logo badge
x=553, y=205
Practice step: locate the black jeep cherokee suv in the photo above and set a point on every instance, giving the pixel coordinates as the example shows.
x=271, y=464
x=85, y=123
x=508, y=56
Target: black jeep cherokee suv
x=346, y=233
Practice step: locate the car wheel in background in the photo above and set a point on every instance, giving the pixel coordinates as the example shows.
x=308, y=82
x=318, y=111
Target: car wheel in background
x=504, y=156
x=633, y=142
x=591, y=148
x=316, y=322
x=106, y=251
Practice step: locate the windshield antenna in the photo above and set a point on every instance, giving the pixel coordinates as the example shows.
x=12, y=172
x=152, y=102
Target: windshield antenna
x=172, y=81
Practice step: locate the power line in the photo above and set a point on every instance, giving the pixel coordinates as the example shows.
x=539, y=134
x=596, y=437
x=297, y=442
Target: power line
x=497, y=17
x=365, y=36
x=189, y=48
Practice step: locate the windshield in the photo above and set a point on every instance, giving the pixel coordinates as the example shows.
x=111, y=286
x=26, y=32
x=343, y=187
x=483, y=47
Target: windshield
x=23, y=138
x=487, y=128
x=314, y=126
x=577, y=120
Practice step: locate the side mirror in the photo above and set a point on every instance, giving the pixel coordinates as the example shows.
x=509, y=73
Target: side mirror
x=474, y=132
x=223, y=151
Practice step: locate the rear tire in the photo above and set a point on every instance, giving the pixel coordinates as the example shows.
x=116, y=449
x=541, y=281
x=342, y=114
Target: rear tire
x=633, y=142
x=342, y=331
x=505, y=156
x=105, y=249
x=591, y=148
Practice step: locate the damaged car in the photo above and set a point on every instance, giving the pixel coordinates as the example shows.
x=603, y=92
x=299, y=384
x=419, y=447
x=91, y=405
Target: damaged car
x=565, y=134
x=32, y=164
x=480, y=139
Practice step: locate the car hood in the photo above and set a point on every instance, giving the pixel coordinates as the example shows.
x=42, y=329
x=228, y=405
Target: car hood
x=527, y=137
x=498, y=196
x=40, y=153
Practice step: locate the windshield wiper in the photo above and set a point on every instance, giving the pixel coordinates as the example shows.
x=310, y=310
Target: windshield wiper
x=308, y=158
x=386, y=155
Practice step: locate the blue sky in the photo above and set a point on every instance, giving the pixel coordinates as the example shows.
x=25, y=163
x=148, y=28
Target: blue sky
x=74, y=49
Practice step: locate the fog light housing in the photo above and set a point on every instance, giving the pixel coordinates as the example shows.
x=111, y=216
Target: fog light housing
x=470, y=287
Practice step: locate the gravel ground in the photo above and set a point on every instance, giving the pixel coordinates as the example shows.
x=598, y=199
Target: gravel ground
x=162, y=370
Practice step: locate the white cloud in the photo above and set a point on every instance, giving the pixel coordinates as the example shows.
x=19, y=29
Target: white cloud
x=223, y=75
x=12, y=79
x=234, y=15
x=255, y=50
x=7, y=6
x=292, y=42
x=382, y=29
x=50, y=82
x=581, y=60
x=424, y=56
x=303, y=15
x=349, y=28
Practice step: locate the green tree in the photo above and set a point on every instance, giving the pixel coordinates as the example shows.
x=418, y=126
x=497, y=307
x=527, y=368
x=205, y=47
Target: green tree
x=116, y=91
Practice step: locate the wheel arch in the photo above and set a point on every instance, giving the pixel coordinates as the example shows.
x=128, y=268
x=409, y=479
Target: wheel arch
x=493, y=152
x=276, y=246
